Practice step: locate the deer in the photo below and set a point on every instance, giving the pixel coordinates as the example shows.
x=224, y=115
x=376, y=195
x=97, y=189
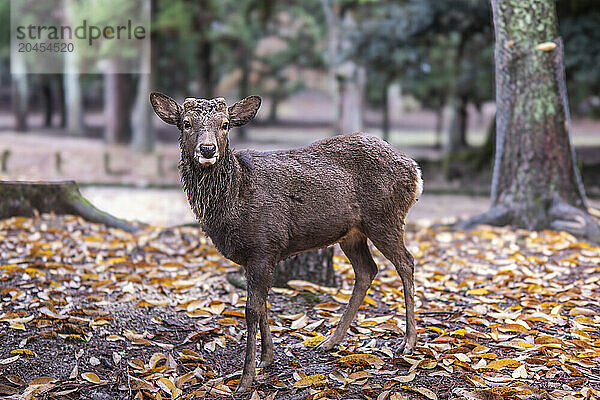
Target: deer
x=259, y=208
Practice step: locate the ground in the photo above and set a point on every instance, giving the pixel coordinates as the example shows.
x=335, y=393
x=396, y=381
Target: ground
x=95, y=313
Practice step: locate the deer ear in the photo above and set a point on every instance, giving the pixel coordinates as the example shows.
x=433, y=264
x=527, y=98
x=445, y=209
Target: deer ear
x=165, y=107
x=243, y=111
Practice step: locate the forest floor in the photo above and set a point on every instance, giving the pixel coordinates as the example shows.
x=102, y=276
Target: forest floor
x=95, y=313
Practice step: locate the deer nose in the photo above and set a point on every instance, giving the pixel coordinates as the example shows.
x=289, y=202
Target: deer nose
x=208, y=150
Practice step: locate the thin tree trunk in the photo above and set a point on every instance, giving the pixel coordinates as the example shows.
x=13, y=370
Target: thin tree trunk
x=244, y=82
x=535, y=184
x=116, y=129
x=143, y=138
x=73, y=100
x=48, y=100
x=20, y=101
x=457, y=135
x=386, y=113
x=19, y=89
x=439, y=126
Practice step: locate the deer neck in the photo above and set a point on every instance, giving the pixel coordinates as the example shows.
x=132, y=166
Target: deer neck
x=211, y=191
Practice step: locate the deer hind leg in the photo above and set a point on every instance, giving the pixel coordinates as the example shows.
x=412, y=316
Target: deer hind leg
x=392, y=247
x=266, y=340
x=356, y=249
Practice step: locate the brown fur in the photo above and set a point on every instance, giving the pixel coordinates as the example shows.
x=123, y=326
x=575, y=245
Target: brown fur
x=259, y=208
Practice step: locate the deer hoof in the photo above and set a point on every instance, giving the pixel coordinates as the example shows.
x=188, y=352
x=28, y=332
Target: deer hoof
x=244, y=384
x=326, y=345
x=406, y=347
x=265, y=363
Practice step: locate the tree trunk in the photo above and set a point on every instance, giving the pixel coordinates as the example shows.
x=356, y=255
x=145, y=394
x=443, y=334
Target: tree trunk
x=19, y=91
x=457, y=135
x=535, y=184
x=22, y=198
x=244, y=81
x=48, y=100
x=439, y=126
x=116, y=129
x=386, y=113
x=143, y=134
x=20, y=101
x=73, y=99
x=315, y=266
x=273, y=108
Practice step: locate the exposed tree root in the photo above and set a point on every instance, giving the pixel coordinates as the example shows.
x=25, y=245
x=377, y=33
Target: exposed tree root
x=561, y=217
x=566, y=217
x=25, y=198
x=497, y=216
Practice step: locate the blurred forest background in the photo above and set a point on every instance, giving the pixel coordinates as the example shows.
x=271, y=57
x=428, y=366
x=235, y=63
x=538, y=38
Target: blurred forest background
x=420, y=74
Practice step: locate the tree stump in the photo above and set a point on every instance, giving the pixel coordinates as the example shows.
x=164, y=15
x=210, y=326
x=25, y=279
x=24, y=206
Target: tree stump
x=24, y=198
x=315, y=266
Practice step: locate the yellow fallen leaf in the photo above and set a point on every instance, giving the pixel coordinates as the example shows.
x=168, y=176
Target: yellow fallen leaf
x=313, y=341
x=90, y=377
x=478, y=291
x=23, y=351
x=311, y=380
x=503, y=363
x=227, y=321
x=361, y=360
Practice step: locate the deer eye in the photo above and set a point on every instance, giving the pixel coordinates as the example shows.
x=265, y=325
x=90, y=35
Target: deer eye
x=224, y=125
x=187, y=124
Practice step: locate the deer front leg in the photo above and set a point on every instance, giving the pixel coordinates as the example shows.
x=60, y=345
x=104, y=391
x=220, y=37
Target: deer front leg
x=259, y=277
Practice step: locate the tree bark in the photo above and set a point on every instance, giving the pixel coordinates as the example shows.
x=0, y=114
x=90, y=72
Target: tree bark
x=143, y=135
x=19, y=93
x=23, y=198
x=536, y=184
x=72, y=96
x=385, y=126
x=244, y=81
x=116, y=116
x=314, y=266
x=457, y=134
x=20, y=101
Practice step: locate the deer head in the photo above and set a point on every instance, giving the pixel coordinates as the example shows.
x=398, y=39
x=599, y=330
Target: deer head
x=204, y=124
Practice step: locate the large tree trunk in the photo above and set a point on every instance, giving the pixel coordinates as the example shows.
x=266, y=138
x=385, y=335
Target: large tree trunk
x=536, y=184
x=23, y=198
x=314, y=266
